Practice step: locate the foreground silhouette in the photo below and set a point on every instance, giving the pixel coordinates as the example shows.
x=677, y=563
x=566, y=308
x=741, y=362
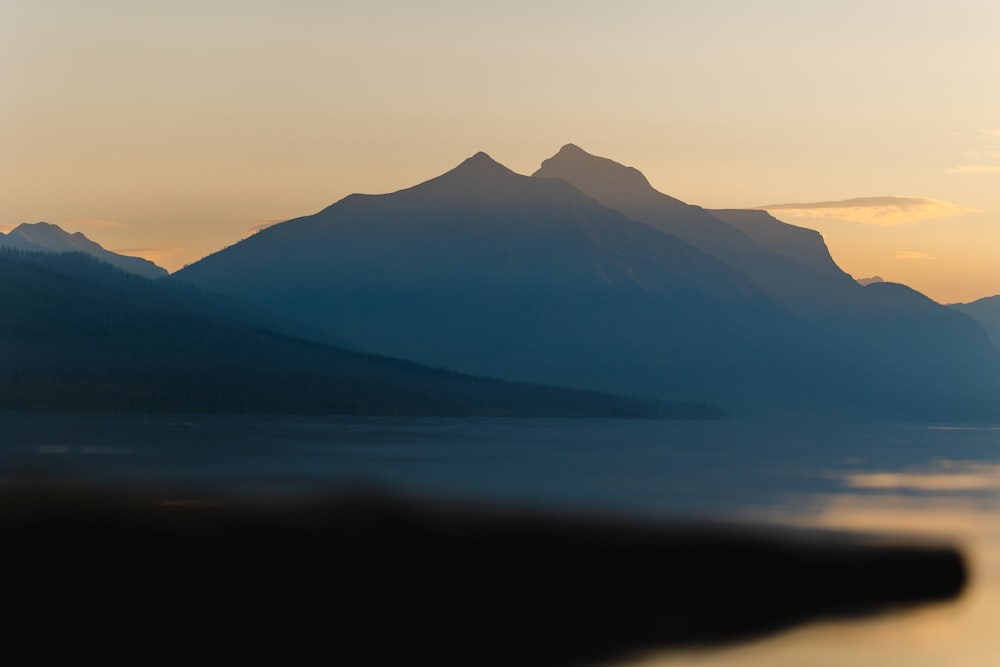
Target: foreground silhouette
x=366, y=579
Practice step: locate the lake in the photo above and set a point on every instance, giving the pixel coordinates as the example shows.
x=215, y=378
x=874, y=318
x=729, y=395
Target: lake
x=928, y=480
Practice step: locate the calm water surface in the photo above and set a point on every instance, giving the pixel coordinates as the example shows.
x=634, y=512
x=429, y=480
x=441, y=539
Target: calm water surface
x=942, y=481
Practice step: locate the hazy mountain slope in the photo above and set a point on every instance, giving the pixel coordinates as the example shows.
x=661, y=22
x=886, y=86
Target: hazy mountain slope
x=787, y=276
x=490, y=272
x=986, y=312
x=805, y=246
x=626, y=189
x=930, y=357
x=882, y=346
x=44, y=237
x=11, y=241
x=889, y=326
x=76, y=334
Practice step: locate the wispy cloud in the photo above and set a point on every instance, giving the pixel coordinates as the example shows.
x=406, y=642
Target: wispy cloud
x=261, y=225
x=983, y=154
x=986, y=150
x=943, y=476
x=909, y=254
x=89, y=222
x=886, y=210
x=975, y=169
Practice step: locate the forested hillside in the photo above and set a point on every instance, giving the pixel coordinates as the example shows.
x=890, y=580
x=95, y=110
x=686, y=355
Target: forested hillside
x=77, y=334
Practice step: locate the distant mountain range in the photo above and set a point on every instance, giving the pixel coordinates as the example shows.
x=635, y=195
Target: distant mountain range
x=986, y=312
x=45, y=237
x=494, y=273
x=878, y=333
x=78, y=334
x=581, y=275
x=584, y=275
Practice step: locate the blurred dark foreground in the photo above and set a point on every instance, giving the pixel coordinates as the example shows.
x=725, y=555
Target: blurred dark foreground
x=375, y=579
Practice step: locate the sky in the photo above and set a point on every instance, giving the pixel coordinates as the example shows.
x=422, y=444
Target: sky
x=171, y=129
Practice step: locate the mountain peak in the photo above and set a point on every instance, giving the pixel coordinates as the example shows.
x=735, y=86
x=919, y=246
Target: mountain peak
x=49, y=238
x=27, y=227
x=479, y=167
x=610, y=182
x=478, y=175
x=572, y=150
x=43, y=233
x=572, y=163
x=482, y=163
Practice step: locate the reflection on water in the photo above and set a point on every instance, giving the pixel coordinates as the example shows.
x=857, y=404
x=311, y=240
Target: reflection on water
x=946, y=498
x=940, y=476
x=936, y=481
x=959, y=634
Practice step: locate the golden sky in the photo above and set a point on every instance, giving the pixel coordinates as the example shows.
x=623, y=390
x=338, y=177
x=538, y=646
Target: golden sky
x=170, y=129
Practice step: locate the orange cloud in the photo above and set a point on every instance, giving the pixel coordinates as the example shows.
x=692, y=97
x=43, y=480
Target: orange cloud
x=887, y=210
x=261, y=225
x=944, y=476
x=975, y=169
x=88, y=222
x=980, y=153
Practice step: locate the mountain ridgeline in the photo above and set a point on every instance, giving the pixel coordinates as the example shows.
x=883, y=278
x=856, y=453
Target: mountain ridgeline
x=493, y=273
x=48, y=238
x=77, y=334
x=584, y=275
x=887, y=348
x=986, y=311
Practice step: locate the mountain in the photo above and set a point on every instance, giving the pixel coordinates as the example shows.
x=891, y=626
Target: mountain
x=493, y=273
x=78, y=334
x=865, y=282
x=585, y=276
x=626, y=189
x=45, y=237
x=902, y=349
x=782, y=260
x=798, y=244
x=986, y=312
